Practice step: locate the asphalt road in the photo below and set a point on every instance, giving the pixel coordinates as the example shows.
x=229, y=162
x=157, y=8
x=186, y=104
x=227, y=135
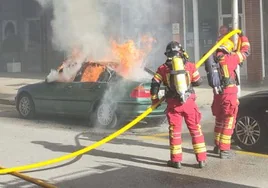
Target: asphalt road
x=132, y=160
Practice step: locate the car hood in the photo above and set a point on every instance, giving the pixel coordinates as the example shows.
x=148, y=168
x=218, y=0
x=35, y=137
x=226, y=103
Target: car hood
x=258, y=94
x=31, y=86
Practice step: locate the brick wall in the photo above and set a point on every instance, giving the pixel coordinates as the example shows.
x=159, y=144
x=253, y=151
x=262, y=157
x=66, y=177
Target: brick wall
x=253, y=30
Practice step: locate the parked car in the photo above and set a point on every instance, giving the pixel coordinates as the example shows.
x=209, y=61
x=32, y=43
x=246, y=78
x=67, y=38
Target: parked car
x=108, y=102
x=251, y=131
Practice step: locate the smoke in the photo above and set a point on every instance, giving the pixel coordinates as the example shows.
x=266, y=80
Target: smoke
x=78, y=24
x=88, y=25
x=150, y=17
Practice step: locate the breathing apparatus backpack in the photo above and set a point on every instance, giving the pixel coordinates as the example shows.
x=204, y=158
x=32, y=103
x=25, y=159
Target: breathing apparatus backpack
x=181, y=78
x=214, y=77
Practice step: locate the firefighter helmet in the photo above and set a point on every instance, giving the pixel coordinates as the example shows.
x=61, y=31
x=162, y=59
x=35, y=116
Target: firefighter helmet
x=173, y=48
x=227, y=46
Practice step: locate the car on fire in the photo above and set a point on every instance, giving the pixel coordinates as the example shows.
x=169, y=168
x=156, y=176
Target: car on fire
x=251, y=131
x=107, y=101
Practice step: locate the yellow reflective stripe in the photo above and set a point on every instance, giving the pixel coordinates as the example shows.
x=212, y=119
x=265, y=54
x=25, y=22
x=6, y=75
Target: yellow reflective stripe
x=154, y=96
x=225, y=136
x=195, y=74
x=217, y=136
x=230, y=122
x=245, y=44
x=174, y=152
x=201, y=150
x=175, y=135
x=241, y=58
x=225, y=71
x=200, y=145
x=176, y=149
x=225, y=141
x=158, y=76
x=231, y=85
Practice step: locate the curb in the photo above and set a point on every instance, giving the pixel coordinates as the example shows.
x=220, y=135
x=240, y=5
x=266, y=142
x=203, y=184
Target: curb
x=7, y=102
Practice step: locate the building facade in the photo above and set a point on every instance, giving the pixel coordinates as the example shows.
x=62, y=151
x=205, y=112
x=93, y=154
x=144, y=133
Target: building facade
x=26, y=33
x=204, y=17
x=20, y=34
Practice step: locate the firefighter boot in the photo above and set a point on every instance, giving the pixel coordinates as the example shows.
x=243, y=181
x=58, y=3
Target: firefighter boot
x=174, y=164
x=216, y=150
x=202, y=164
x=226, y=154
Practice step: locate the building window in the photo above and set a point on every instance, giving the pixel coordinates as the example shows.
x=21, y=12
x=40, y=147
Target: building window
x=33, y=34
x=30, y=8
x=189, y=20
x=9, y=28
x=227, y=6
x=11, y=41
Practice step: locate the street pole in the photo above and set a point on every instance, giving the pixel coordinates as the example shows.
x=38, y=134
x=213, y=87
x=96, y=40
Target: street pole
x=235, y=37
x=196, y=30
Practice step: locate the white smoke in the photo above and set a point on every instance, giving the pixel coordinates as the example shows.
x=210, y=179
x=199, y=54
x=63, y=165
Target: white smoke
x=83, y=24
x=78, y=24
x=88, y=26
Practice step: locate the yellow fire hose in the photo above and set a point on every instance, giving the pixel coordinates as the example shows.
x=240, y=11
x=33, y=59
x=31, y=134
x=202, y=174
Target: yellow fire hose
x=212, y=50
x=117, y=133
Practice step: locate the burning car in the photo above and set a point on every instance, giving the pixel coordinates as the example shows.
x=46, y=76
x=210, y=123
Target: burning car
x=96, y=92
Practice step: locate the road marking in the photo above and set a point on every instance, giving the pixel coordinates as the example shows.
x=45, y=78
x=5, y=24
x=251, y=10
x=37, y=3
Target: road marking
x=154, y=138
x=253, y=154
x=159, y=137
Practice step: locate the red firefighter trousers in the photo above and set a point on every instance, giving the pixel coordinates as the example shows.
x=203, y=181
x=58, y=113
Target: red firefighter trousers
x=189, y=111
x=224, y=108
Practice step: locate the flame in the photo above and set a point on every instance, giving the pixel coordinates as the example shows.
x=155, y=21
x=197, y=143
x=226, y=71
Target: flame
x=92, y=72
x=129, y=55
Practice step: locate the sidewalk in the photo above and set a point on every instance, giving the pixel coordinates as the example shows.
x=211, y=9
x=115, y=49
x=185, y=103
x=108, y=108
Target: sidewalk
x=11, y=82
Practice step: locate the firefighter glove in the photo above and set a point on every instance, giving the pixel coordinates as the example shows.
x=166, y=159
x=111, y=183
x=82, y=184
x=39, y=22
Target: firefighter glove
x=155, y=101
x=241, y=34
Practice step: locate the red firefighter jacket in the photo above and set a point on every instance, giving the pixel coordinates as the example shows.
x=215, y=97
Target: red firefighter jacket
x=229, y=63
x=162, y=75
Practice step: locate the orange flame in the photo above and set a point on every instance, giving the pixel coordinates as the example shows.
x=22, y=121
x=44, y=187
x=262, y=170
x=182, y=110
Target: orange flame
x=92, y=72
x=130, y=55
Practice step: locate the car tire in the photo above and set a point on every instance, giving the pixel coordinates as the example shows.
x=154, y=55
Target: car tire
x=104, y=116
x=26, y=106
x=250, y=133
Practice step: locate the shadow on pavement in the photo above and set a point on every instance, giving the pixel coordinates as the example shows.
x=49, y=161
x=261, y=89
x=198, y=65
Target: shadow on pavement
x=122, y=176
x=131, y=176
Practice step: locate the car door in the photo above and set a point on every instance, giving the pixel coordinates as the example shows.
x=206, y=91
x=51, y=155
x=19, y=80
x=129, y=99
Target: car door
x=47, y=97
x=77, y=97
x=87, y=94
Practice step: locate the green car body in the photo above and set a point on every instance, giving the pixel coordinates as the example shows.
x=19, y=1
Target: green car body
x=83, y=99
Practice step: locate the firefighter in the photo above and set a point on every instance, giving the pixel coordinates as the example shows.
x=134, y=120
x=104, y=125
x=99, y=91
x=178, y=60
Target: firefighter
x=180, y=103
x=225, y=104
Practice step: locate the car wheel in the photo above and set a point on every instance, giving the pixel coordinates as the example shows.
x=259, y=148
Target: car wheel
x=104, y=116
x=26, y=106
x=250, y=133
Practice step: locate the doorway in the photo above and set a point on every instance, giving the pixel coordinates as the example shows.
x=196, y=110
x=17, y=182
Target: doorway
x=225, y=18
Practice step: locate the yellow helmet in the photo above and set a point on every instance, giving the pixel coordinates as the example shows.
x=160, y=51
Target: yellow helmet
x=228, y=46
